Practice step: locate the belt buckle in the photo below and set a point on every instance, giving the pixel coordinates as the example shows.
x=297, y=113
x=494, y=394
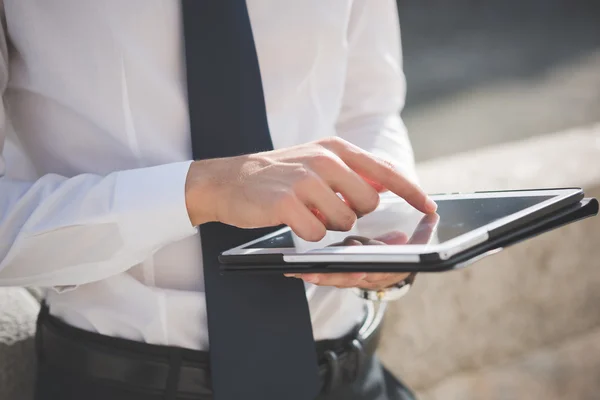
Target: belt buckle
x=354, y=364
x=357, y=352
x=335, y=378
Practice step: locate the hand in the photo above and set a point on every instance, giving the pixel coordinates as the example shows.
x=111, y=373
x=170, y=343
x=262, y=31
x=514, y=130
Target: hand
x=371, y=280
x=297, y=187
x=374, y=281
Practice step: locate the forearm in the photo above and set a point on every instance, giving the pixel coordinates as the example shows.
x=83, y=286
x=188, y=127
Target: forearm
x=70, y=231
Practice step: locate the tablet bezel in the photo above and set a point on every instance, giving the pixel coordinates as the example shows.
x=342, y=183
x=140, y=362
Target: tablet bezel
x=408, y=253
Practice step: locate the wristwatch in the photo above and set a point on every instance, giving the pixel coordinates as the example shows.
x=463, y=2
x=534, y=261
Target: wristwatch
x=391, y=293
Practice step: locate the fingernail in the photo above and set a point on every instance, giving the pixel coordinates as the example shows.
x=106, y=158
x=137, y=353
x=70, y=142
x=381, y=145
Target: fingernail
x=430, y=205
x=290, y=275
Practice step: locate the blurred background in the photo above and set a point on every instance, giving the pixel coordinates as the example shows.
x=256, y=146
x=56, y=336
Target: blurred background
x=504, y=95
x=482, y=72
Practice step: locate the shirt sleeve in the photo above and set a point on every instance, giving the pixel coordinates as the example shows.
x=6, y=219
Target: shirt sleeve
x=65, y=231
x=375, y=85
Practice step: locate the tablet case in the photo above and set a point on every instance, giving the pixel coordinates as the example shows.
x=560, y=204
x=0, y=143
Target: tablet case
x=587, y=207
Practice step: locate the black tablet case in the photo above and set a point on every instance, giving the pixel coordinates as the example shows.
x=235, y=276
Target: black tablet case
x=585, y=208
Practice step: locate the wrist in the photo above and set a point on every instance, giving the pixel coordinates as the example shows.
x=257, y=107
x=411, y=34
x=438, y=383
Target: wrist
x=201, y=192
x=390, y=293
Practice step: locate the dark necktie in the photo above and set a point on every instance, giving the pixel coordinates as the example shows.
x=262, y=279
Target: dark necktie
x=261, y=343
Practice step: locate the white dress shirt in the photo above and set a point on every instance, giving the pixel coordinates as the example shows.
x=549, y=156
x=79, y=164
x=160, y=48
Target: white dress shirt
x=97, y=148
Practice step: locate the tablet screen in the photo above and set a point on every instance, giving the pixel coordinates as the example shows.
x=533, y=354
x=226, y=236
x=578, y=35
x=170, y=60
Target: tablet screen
x=397, y=223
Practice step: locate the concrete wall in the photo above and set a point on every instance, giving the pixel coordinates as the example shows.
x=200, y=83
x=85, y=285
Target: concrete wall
x=525, y=322
x=521, y=324
x=487, y=72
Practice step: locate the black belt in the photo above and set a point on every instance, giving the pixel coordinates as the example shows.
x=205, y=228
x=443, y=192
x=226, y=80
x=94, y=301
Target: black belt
x=159, y=369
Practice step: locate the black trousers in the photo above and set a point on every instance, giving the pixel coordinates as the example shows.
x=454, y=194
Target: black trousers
x=74, y=364
x=376, y=383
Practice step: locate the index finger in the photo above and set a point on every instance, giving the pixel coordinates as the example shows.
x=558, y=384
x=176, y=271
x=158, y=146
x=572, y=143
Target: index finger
x=383, y=173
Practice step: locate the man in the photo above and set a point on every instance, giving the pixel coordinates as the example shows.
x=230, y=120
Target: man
x=96, y=100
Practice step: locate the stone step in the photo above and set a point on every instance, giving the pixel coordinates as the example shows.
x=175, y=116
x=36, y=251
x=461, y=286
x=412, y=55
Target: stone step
x=568, y=370
x=537, y=293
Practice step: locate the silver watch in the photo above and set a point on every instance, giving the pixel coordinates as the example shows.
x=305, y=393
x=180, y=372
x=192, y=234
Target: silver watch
x=388, y=294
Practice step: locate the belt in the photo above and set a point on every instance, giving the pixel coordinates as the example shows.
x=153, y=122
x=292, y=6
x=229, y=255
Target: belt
x=162, y=369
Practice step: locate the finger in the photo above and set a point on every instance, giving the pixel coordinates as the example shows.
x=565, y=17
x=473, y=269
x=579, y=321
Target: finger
x=383, y=283
x=357, y=240
x=351, y=242
x=375, y=277
x=341, y=280
x=393, y=238
x=364, y=241
x=358, y=193
x=385, y=277
x=411, y=278
x=377, y=186
x=319, y=215
x=303, y=223
x=336, y=214
x=382, y=172
x=373, y=286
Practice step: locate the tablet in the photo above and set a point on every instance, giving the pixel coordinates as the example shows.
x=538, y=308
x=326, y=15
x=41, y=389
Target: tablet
x=396, y=233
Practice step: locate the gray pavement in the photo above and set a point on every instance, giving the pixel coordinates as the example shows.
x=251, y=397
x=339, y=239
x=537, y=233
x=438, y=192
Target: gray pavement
x=484, y=72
